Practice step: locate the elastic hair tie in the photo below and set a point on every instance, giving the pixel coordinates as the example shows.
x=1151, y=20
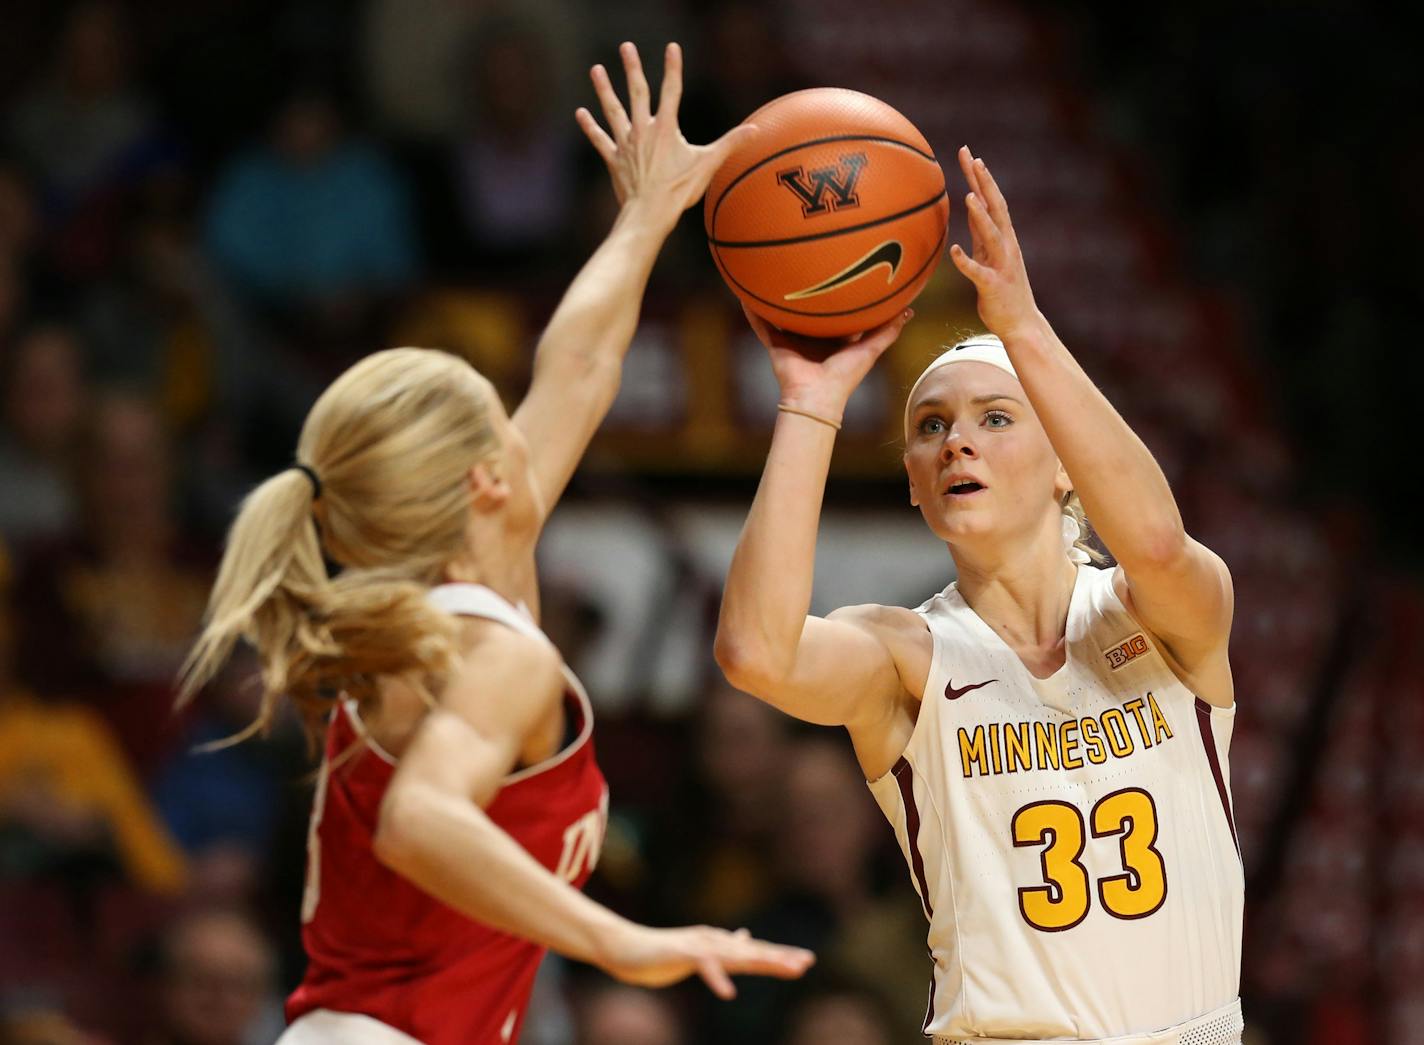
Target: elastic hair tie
x=312, y=478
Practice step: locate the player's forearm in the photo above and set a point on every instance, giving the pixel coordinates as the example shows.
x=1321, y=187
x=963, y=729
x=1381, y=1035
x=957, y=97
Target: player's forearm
x=1123, y=490
x=768, y=592
x=590, y=331
x=450, y=848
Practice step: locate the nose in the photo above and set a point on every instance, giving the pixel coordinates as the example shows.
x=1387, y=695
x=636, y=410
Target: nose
x=957, y=445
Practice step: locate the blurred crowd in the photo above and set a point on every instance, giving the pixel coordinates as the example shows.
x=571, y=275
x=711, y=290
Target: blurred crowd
x=209, y=209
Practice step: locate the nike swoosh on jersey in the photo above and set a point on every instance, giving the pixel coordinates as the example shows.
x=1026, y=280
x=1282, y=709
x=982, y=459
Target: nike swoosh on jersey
x=889, y=254
x=950, y=693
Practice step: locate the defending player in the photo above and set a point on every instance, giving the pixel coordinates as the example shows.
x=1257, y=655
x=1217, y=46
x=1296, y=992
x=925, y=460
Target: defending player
x=1047, y=739
x=459, y=805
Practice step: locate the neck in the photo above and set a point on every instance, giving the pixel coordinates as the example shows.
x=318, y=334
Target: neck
x=488, y=560
x=1021, y=592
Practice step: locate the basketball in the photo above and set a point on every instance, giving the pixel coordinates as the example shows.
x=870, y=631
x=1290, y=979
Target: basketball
x=831, y=218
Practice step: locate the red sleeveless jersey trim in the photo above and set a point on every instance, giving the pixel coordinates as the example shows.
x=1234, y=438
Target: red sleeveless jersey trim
x=380, y=946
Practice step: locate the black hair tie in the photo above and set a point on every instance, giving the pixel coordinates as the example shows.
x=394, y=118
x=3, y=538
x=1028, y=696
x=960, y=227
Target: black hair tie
x=312, y=478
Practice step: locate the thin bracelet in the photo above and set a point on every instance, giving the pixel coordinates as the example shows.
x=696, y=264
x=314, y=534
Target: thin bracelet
x=806, y=413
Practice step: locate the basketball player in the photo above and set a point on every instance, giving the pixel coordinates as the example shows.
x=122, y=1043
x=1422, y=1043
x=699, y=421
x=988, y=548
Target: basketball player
x=458, y=807
x=1048, y=739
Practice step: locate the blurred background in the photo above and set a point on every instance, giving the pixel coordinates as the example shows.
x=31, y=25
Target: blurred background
x=210, y=207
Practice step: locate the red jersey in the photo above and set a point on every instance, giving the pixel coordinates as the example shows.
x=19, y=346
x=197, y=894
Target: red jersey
x=376, y=943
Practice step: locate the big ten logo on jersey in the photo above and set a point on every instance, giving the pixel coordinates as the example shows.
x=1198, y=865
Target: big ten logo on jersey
x=1129, y=650
x=824, y=189
x=583, y=839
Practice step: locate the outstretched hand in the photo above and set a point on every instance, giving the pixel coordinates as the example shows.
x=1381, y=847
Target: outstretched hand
x=659, y=957
x=646, y=154
x=819, y=374
x=997, y=267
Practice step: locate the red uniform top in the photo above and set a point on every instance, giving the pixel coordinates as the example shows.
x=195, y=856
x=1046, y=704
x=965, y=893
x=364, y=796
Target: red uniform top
x=377, y=944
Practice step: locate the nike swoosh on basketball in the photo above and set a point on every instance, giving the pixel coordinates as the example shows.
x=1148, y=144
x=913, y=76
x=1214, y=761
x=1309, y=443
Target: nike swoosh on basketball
x=889, y=254
x=950, y=693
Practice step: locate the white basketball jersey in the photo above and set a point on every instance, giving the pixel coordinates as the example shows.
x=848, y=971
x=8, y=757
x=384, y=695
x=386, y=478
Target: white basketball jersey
x=1071, y=838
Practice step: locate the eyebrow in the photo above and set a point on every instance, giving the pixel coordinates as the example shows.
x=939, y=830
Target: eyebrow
x=935, y=401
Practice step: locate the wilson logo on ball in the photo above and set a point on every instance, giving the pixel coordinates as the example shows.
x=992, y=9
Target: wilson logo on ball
x=825, y=188
x=888, y=254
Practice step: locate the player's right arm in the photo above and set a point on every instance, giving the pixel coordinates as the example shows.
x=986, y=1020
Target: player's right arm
x=433, y=830
x=838, y=670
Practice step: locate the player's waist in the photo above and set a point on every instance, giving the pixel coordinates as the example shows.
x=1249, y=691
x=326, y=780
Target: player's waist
x=1221, y=1026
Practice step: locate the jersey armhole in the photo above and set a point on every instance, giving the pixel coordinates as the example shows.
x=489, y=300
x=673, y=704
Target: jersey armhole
x=926, y=701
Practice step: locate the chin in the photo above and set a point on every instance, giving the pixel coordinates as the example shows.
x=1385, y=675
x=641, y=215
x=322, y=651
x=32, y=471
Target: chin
x=958, y=526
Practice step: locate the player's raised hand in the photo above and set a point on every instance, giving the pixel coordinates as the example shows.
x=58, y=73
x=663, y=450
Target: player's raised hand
x=819, y=374
x=657, y=957
x=996, y=267
x=647, y=156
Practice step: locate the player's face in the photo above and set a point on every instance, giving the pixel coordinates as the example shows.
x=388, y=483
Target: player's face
x=979, y=463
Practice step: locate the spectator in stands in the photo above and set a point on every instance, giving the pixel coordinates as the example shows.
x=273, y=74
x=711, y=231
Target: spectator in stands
x=513, y=166
x=747, y=64
x=842, y=1012
x=43, y=405
x=217, y=980
x=313, y=217
x=85, y=131
x=223, y=805
x=613, y=1014
x=825, y=849
x=31, y=1020
x=27, y=280
x=19, y=212
x=111, y=608
x=717, y=855
x=69, y=804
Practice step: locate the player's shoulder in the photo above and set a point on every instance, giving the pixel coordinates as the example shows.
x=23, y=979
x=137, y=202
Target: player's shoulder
x=496, y=659
x=874, y=616
x=893, y=625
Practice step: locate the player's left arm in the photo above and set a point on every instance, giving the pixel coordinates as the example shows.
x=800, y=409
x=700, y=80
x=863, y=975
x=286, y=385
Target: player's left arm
x=1178, y=588
x=656, y=176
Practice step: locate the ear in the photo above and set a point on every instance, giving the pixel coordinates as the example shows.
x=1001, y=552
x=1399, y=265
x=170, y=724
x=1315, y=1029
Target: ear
x=488, y=490
x=1062, y=483
x=914, y=496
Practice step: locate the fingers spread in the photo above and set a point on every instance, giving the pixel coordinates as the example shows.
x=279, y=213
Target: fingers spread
x=671, y=94
x=638, y=94
x=966, y=164
x=993, y=199
x=972, y=270
x=596, y=135
x=731, y=141
x=712, y=973
x=988, y=242
x=613, y=110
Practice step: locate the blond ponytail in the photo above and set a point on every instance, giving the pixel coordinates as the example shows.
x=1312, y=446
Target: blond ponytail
x=391, y=441
x=1073, y=508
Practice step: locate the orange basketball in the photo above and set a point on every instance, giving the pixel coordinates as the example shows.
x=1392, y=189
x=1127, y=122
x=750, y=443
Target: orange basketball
x=832, y=217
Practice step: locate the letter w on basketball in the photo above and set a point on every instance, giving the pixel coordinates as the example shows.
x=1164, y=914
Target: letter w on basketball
x=825, y=181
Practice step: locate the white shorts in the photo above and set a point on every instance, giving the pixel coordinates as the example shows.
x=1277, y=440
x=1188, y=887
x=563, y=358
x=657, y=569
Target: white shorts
x=1220, y=1027
x=324, y=1027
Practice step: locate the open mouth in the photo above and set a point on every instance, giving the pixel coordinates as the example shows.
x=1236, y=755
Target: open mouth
x=963, y=488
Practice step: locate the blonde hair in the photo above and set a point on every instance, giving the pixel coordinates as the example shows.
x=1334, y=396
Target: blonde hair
x=391, y=440
x=1073, y=508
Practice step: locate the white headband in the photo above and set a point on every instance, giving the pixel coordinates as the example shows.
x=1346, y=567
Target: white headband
x=981, y=348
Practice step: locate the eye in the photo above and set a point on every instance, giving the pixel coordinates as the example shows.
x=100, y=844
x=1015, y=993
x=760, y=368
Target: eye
x=931, y=426
x=997, y=419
